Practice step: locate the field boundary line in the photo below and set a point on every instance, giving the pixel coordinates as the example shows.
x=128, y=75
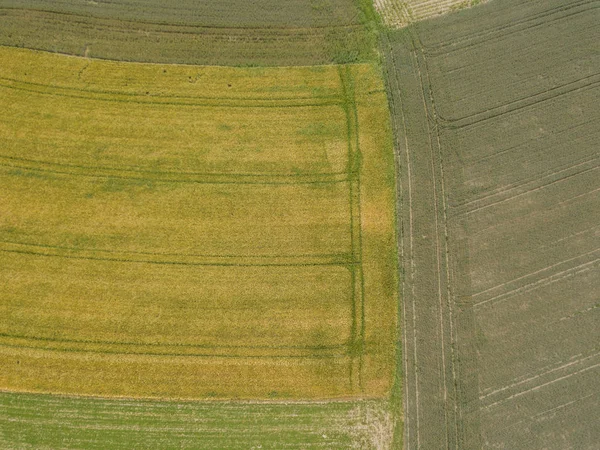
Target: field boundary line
x=176, y=64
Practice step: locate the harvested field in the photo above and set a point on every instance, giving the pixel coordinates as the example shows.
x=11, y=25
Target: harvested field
x=176, y=231
x=401, y=13
x=232, y=32
x=496, y=121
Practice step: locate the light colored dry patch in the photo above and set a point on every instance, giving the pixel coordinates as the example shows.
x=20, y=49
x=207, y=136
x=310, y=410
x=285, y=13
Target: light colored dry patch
x=397, y=13
x=375, y=427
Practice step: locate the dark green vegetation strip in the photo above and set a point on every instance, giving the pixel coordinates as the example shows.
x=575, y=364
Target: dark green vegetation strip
x=233, y=32
x=43, y=421
x=497, y=127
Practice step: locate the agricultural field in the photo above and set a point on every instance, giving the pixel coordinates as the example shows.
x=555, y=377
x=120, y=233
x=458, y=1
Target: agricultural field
x=213, y=32
x=230, y=238
x=496, y=119
x=401, y=13
x=45, y=421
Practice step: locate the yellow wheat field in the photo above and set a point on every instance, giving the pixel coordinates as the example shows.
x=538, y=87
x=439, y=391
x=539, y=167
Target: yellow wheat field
x=195, y=232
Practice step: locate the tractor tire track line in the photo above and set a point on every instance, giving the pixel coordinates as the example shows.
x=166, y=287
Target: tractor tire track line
x=82, y=17
x=529, y=191
x=438, y=250
x=115, y=99
x=449, y=296
x=547, y=412
x=340, y=256
x=407, y=256
x=189, y=355
x=551, y=266
x=233, y=179
x=516, y=105
x=535, y=377
x=513, y=24
x=499, y=33
x=513, y=186
x=584, y=125
x=542, y=282
x=577, y=313
x=170, y=97
x=574, y=235
x=536, y=388
x=179, y=263
x=174, y=344
x=537, y=213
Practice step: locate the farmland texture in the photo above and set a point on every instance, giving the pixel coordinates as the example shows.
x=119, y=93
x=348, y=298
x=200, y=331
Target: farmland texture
x=45, y=421
x=401, y=13
x=496, y=118
x=195, y=232
x=230, y=32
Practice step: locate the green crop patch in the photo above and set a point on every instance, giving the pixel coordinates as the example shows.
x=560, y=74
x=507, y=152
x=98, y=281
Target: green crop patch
x=45, y=421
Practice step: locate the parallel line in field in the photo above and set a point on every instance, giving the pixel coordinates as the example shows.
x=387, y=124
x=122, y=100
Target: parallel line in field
x=541, y=213
x=353, y=169
x=547, y=411
x=588, y=82
x=514, y=26
x=541, y=386
x=336, y=256
x=572, y=272
x=440, y=208
x=169, y=97
x=190, y=355
x=406, y=249
x=173, y=345
x=76, y=255
x=537, y=376
x=577, y=313
x=31, y=164
x=264, y=28
x=583, y=124
x=458, y=206
x=528, y=191
x=547, y=279
x=276, y=180
x=343, y=74
x=218, y=104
